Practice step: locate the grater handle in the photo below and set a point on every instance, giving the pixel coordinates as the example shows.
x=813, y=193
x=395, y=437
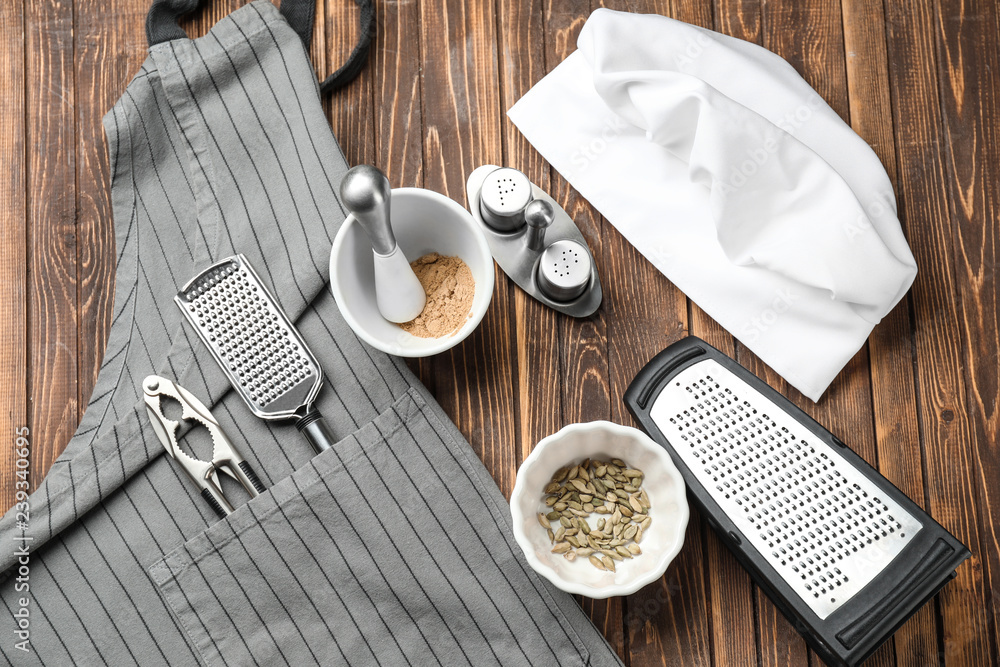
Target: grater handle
x=314, y=427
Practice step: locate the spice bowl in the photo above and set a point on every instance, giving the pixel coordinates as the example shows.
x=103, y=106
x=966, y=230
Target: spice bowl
x=423, y=222
x=668, y=513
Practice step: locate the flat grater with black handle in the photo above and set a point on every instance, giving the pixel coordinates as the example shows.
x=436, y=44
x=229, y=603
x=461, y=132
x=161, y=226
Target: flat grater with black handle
x=258, y=347
x=840, y=550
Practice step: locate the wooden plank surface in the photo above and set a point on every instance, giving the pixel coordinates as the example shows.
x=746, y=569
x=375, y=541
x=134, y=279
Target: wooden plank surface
x=13, y=250
x=52, y=235
x=917, y=80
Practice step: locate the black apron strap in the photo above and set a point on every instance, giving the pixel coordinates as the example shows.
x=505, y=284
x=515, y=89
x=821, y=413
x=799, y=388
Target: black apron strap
x=162, y=26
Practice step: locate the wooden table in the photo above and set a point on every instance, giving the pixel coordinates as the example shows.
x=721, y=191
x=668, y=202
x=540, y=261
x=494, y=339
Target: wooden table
x=918, y=80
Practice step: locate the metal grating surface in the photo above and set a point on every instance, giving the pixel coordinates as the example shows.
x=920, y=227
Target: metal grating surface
x=251, y=338
x=822, y=525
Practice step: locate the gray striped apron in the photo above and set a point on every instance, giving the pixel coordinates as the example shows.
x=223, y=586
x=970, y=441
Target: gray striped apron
x=392, y=548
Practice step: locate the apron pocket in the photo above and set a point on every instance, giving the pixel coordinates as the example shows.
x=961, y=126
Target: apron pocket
x=384, y=549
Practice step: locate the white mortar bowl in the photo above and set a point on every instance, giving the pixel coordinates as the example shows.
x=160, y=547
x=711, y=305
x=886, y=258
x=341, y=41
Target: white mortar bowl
x=423, y=221
x=663, y=484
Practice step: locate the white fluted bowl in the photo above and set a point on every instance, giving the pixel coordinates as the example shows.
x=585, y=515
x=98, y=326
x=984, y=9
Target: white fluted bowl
x=662, y=481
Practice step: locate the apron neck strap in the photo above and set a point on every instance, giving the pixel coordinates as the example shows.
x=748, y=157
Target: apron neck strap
x=162, y=26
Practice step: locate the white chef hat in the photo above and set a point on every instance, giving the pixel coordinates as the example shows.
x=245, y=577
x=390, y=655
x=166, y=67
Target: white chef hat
x=735, y=179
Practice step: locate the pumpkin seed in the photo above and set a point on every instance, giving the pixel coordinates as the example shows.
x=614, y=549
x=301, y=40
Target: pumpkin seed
x=609, y=489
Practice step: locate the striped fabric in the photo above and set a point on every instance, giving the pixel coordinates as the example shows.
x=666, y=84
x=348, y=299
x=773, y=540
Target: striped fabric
x=392, y=548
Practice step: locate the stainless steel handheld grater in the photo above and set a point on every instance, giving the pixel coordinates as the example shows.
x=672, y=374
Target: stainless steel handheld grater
x=841, y=551
x=258, y=347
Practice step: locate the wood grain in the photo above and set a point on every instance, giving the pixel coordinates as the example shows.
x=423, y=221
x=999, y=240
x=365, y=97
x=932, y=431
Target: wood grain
x=891, y=351
x=917, y=80
x=941, y=395
x=967, y=46
x=109, y=47
x=52, y=244
x=474, y=382
x=13, y=249
x=351, y=111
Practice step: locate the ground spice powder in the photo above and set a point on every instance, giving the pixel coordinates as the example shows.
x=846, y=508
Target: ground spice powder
x=450, y=288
